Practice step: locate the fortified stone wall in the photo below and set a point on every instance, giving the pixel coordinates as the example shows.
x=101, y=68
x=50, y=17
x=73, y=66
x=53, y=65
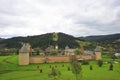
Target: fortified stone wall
x=49, y=59
x=52, y=59
x=86, y=57
x=37, y=59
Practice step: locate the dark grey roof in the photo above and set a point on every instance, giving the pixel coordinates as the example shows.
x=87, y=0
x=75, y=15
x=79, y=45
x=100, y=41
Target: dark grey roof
x=49, y=48
x=97, y=49
x=88, y=52
x=70, y=50
x=24, y=49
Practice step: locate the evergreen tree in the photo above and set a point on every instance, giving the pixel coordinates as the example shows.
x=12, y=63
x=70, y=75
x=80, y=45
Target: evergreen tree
x=76, y=68
x=111, y=52
x=81, y=49
x=77, y=51
x=55, y=73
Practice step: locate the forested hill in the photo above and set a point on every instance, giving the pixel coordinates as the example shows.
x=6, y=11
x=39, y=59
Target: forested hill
x=1, y=39
x=103, y=38
x=42, y=41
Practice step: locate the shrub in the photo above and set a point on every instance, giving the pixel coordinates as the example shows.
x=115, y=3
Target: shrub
x=37, y=53
x=41, y=71
x=111, y=66
x=68, y=68
x=100, y=63
x=50, y=66
x=63, y=65
x=55, y=66
x=37, y=67
x=55, y=73
x=91, y=67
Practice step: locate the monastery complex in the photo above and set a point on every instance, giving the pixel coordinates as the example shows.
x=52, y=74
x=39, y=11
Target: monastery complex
x=25, y=56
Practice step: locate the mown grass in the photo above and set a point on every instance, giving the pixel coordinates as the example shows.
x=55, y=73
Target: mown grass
x=13, y=71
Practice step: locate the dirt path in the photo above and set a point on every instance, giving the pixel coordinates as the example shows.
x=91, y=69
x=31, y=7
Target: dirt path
x=6, y=60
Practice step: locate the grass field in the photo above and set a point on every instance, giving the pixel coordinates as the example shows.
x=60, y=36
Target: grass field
x=10, y=70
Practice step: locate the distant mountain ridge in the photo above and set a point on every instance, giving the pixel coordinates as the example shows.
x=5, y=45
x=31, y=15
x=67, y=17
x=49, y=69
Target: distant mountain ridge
x=45, y=40
x=102, y=38
x=42, y=41
x=1, y=39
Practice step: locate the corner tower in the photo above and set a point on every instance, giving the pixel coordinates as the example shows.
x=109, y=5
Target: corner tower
x=24, y=55
x=98, y=53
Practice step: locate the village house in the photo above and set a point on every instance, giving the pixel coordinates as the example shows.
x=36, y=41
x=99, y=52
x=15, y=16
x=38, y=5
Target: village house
x=117, y=54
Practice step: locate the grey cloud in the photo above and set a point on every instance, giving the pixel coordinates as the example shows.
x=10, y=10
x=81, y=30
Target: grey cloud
x=6, y=22
x=113, y=27
x=116, y=3
x=76, y=17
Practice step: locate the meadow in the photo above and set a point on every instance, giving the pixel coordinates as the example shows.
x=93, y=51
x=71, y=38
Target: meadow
x=10, y=70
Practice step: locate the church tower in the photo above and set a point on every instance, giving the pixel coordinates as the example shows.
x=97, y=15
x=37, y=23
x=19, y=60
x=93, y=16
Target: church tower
x=98, y=53
x=24, y=54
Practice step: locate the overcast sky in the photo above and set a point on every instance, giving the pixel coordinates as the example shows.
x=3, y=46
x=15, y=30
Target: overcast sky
x=74, y=17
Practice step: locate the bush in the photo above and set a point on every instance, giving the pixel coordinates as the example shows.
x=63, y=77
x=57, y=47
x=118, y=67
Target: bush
x=41, y=71
x=63, y=65
x=68, y=68
x=100, y=63
x=55, y=73
x=91, y=67
x=111, y=67
x=55, y=66
x=37, y=53
x=37, y=67
x=50, y=66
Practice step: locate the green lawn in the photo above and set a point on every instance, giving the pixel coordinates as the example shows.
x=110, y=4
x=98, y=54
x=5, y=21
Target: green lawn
x=12, y=71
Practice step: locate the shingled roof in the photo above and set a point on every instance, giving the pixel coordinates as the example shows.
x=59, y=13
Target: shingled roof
x=97, y=49
x=25, y=48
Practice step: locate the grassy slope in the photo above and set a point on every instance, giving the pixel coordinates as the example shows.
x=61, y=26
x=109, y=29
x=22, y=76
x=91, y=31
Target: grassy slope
x=15, y=72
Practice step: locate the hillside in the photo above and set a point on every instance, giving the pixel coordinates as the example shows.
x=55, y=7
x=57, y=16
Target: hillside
x=1, y=39
x=62, y=40
x=42, y=41
x=106, y=42
x=103, y=38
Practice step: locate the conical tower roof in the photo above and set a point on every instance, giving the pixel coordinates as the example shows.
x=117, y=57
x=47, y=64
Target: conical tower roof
x=97, y=49
x=25, y=49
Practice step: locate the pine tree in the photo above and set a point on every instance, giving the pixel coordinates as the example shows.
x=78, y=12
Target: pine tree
x=76, y=67
x=81, y=49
